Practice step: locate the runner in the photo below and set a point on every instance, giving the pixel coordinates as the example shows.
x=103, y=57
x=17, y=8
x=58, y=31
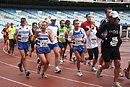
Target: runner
x=103, y=21
x=84, y=25
x=69, y=27
x=78, y=36
x=54, y=45
x=10, y=34
x=110, y=48
x=63, y=32
x=92, y=43
x=34, y=28
x=127, y=71
x=23, y=32
x=42, y=50
x=4, y=34
x=7, y=39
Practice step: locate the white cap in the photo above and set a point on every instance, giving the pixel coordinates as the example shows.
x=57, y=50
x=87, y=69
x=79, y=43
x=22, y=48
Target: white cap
x=53, y=18
x=114, y=14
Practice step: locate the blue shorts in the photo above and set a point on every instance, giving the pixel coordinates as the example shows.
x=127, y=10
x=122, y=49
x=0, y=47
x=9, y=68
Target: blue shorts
x=51, y=46
x=23, y=46
x=80, y=49
x=43, y=50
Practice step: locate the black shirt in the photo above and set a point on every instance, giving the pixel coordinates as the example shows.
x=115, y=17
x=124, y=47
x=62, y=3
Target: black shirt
x=112, y=32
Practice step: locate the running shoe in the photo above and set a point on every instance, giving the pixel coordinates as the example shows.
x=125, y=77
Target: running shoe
x=61, y=62
x=85, y=60
x=98, y=72
x=71, y=59
x=38, y=60
x=20, y=67
x=93, y=69
x=116, y=84
x=121, y=75
x=38, y=69
x=8, y=51
x=79, y=73
x=65, y=56
x=74, y=60
x=111, y=65
x=27, y=73
x=90, y=63
x=57, y=70
x=43, y=75
x=127, y=74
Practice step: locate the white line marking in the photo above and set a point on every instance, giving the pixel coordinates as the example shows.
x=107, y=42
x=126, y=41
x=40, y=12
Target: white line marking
x=76, y=81
x=15, y=81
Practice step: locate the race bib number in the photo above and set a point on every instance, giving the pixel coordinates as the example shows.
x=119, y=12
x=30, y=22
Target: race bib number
x=93, y=39
x=78, y=41
x=12, y=34
x=24, y=37
x=43, y=43
x=55, y=37
x=61, y=35
x=114, y=41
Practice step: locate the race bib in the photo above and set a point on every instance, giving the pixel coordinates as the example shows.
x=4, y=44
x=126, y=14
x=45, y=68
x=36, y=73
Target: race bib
x=43, y=43
x=55, y=37
x=114, y=41
x=24, y=37
x=61, y=35
x=12, y=34
x=93, y=39
x=78, y=41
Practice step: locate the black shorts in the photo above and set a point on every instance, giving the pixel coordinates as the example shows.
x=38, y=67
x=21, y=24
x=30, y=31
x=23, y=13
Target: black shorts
x=93, y=51
x=110, y=53
x=68, y=42
x=4, y=36
x=62, y=45
x=12, y=42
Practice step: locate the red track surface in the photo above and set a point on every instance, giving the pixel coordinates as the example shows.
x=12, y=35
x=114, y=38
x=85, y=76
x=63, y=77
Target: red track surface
x=10, y=76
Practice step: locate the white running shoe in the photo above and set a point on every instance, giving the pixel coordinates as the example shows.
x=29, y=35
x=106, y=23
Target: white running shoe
x=61, y=62
x=121, y=75
x=116, y=84
x=127, y=74
x=79, y=73
x=98, y=72
x=111, y=65
x=57, y=70
x=93, y=69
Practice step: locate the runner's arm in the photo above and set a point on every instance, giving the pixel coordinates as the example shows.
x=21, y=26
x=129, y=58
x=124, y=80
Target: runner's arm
x=50, y=36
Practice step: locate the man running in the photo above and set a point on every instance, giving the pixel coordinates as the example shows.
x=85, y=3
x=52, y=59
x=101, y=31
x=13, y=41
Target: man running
x=4, y=34
x=23, y=32
x=78, y=36
x=91, y=42
x=10, y=33
x=54, y=45
x=63, y=32
x=69, y=27
x=127, y=71
x=42, y=50
x=110, y=49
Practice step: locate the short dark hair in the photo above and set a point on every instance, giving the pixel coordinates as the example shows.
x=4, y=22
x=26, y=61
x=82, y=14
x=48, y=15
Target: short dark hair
x=87, y=15
x=34, y=23
x=75, y=20
x=61, y=21
x=67, y=21
x=45, y=22
x=108, y=8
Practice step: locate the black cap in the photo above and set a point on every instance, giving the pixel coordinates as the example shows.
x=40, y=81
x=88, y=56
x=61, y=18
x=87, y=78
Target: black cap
x=67, y=21
x=23, y=19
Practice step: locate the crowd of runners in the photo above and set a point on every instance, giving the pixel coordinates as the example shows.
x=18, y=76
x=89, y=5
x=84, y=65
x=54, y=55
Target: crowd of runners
x=82, y=39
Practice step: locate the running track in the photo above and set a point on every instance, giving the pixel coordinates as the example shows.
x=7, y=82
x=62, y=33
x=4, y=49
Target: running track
x=10, y=76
